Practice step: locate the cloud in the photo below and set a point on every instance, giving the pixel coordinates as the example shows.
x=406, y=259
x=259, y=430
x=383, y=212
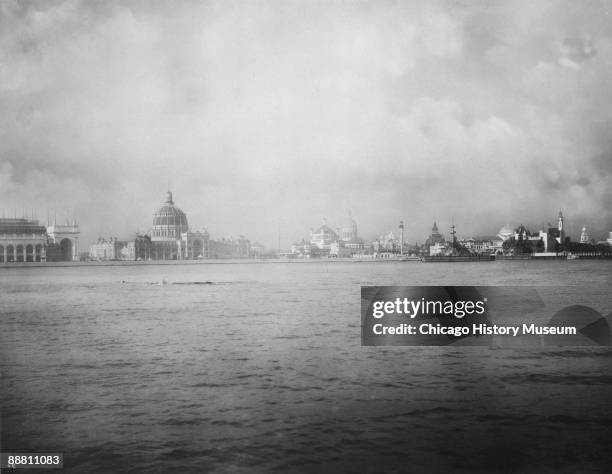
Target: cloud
x=256, y=113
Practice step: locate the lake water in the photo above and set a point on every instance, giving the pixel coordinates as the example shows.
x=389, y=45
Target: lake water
x=263, y=370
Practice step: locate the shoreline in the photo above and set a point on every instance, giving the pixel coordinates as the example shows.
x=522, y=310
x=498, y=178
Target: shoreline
x=229, y=261
x=119, y=263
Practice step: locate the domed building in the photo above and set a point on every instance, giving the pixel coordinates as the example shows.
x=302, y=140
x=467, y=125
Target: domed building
x=169, y=222
x=171, y=238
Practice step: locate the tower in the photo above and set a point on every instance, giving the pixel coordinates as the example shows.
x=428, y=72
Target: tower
x=561, y=231
x=401, y=226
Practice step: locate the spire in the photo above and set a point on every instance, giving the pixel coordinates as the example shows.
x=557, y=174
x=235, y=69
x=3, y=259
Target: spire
x=435, y=227
x=169, y=198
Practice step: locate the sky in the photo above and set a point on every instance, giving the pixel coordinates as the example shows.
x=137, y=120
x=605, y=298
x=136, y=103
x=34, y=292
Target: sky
x=267, y=115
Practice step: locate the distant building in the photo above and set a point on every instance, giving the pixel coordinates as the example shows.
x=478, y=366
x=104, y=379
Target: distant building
x=561, y=228
x=435, y=237
x=480, y=245
x=327, y=242
x=323, y=237
x=348, y=243
x=107, y=249
x=63, y=242
x=233, y=247
x=438, y=248
x=24, y=240
x=435, y=242
x=555, y=236
x=387, y=243
x=195, y=245
x=505, y=233
x=300, y=249
x=521, y=240
x=525, y=242
x=348, y=231
x=608, y=240
x=257, y=250
x=169, y=222
x=138, y=248
x=171, y=238
x=584, y=236
x=128, y=252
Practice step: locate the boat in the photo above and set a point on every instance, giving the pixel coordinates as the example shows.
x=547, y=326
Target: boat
x=458, y=258
x=572, y=256
x=458, y=253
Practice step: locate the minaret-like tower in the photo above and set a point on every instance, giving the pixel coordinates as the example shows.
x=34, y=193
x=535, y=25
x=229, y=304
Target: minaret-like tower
x=561, y=231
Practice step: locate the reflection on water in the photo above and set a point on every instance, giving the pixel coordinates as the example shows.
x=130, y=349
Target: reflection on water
x=258, y=367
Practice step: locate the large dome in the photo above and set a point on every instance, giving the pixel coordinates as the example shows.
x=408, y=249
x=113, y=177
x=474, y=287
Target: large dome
x=169, y=222
x=170, y=215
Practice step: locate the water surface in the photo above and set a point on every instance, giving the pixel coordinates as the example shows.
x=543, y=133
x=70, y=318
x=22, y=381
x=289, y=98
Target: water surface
x=259, y=368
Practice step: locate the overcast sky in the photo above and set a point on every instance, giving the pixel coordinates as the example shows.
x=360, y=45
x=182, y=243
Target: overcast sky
x=267, y=112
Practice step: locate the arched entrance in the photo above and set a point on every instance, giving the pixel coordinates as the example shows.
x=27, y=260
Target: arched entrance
x=29, y=253
x=38, y=254
x=10, y=253
x=1, y=254
x=66, y=249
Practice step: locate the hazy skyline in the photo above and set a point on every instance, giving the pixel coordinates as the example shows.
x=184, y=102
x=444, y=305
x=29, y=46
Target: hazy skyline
x=259, y=113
